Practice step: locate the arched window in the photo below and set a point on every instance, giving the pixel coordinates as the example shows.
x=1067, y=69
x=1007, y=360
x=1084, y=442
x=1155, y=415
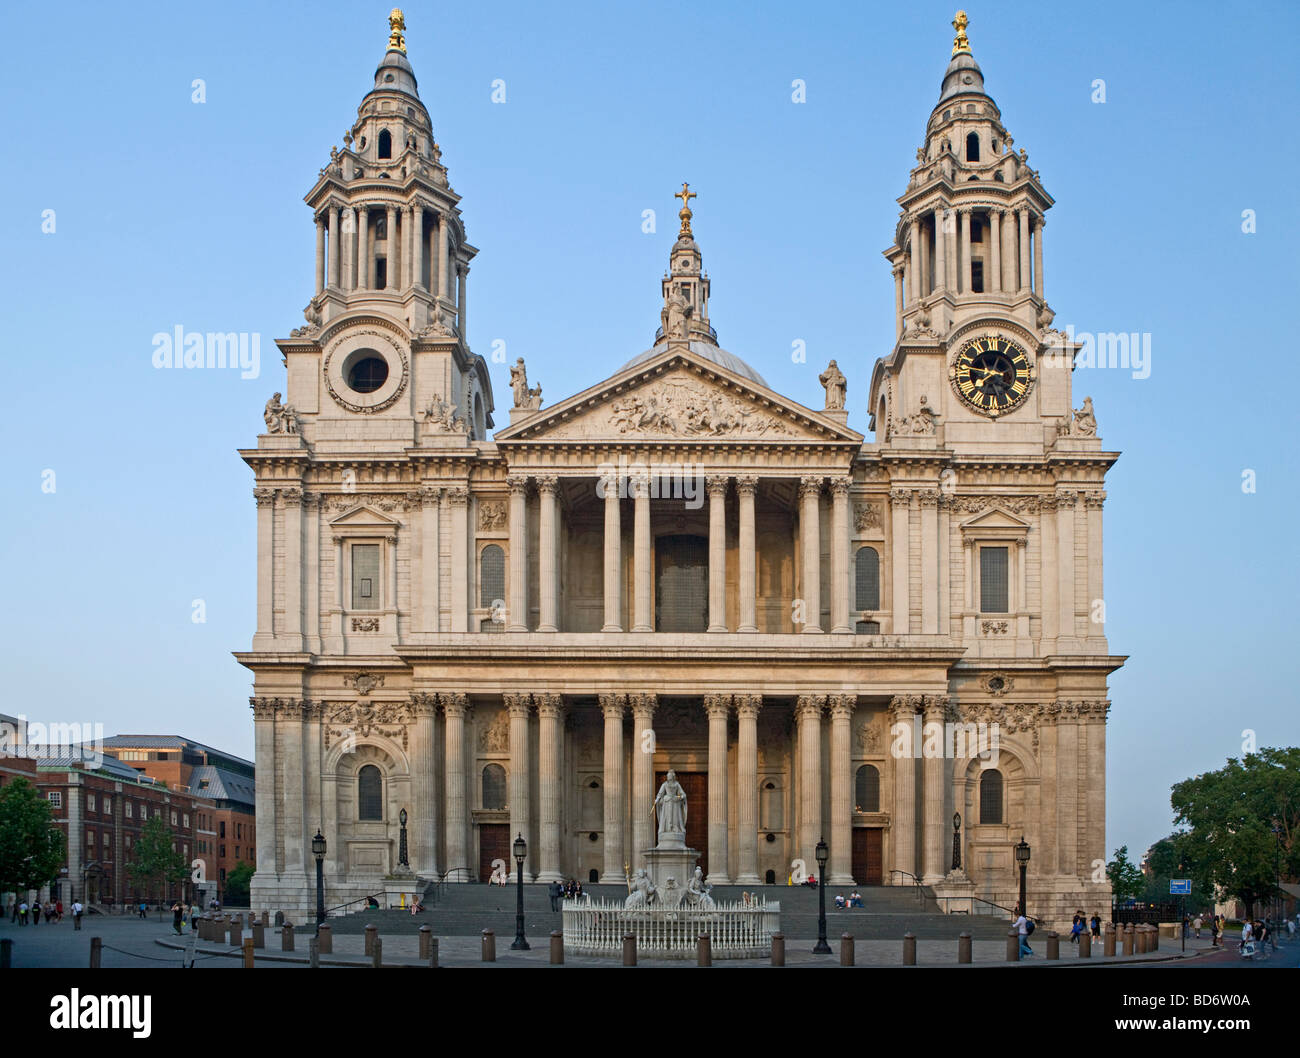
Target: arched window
x=494, y=787
x=491, y=576
x=385, y=144
x=370, y=793
x=867, y=579
x=867, y=789
x=991, y=796
x=973, y=147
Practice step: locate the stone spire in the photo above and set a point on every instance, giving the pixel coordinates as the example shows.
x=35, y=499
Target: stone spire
x=685, y=315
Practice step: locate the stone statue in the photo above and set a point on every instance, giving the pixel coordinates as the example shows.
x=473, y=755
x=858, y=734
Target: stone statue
x=519, y=383
x=441, y=415
x=643, y=892
x=1085, y=422
x=676, y=313
x=534, y=398
x=921, y=424
x=836, y=385
x=279, y=418
x=671, y=803
x=697, y=893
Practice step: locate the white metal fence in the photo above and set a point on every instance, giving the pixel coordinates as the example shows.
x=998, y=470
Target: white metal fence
x=736, y=930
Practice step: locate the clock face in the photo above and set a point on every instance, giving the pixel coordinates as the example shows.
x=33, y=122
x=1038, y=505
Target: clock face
x=992, y=374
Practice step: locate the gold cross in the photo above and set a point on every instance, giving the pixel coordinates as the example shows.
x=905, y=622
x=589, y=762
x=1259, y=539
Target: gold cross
x=685, y=194
x=960, y=43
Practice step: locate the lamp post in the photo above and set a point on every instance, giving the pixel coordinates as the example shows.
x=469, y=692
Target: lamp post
x=402, y=860
x=521, y=851
x=318, y=850
x=956, y=841
x=1277, y=871
x=1022, y=858
x=821, y=947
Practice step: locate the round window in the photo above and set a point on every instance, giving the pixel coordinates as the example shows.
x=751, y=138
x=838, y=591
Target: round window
x=368, y=374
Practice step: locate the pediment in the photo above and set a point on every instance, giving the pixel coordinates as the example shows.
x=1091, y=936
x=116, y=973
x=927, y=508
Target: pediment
x=996, y=521
x=678, y=396
x=363, y=517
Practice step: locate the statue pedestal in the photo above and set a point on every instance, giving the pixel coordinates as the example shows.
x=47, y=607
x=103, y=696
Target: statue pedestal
x=675, y=863
x=955, y=893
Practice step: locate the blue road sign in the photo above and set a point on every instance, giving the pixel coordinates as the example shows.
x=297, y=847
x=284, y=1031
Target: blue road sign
x=1180, y=887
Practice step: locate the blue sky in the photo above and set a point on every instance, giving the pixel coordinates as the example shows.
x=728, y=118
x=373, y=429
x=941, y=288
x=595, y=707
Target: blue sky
x=173, y=213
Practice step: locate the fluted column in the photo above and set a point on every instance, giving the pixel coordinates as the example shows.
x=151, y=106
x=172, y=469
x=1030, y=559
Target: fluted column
x=1067, y=788
x=1023, y=244
x=613, y=560
x=900, y=547
x=746, y=488
x=841, y=767
x=717, y=553
x=641, y=553
x=440, y=260
x=718, y=707
x=417, y=249
x=897, y=272
x=267, y=799
x=519, y=706
x=390, y=249
x=1066, y=504
x=933, y=821
x=747, y=708
x=458, y=506
x=940, y=250
x=914, y=259
x=349, y=247
x=548, y=543
x=809, y=712
x=964, y=280
x=932, y=555
x=643, y=774
x=424, y=815
x=995, y=248
x=462, y=303
x=550, y=788
x=320, y=254
x=613, y=707
x=840, y=554
x=430, y=561
x=455, y=708
x=293, y=566
x=1039, y=224
x=365, y=281
x=810, y=489
x=265, y=499
x=517, y=612
x=336, y=246
x=408, y=247
x=925, y=263
x=902, y=832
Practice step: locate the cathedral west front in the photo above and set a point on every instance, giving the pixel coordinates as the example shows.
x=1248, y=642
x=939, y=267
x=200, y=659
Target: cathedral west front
x=490, y=622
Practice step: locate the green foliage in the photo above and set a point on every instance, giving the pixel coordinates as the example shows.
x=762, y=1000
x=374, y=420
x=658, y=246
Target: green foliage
x=1178, y=857
x=237, y=882
x=31, y=843
x=156, y=861
x=1231, y=813
x=1125, y=876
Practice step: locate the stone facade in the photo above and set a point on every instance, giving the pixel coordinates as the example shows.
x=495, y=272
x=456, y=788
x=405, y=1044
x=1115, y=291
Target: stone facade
x=679, y=567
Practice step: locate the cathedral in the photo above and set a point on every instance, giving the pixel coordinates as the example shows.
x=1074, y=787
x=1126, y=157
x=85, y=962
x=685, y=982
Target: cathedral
x=471, y=629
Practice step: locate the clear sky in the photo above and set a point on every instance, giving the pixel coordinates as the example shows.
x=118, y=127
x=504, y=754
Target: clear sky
x=170, y=212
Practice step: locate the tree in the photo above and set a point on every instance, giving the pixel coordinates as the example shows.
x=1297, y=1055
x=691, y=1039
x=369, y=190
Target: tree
x=237, y=882
x=1231, y=813
x=1177, y=857
x=156, y=859
x=31, y=844
x=1125, y=876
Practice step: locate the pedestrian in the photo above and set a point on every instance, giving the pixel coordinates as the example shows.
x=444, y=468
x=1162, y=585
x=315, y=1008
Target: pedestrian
x=1096, y=925
x=143, y=909
x=76, y=914
x=1023, y=927
x=36, y=912
x=1196, y=926
x=177, y=912
x=194, y=916
x=1076, y=927
x=58, y=909
x=1214, y=932
x=557, y=893
x=22, y=913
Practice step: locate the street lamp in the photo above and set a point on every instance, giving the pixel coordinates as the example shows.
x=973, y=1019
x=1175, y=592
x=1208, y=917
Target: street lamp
x=821, y=947
x=521, y=851
x=318, y=850
x=956, y=841
x=1022, y=858
x=402, y=860
x=1277, y=871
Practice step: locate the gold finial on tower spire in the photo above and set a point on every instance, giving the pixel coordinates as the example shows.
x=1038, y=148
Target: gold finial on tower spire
x=960, y=43
x=685, y=194
x=396, y=24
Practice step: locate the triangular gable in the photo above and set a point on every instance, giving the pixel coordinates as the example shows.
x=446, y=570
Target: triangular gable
x=995, y=519
x=362, y=517
x=678, y=396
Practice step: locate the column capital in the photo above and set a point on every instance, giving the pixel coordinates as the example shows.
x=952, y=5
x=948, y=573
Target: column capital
x=843, y=706
x=810, y=706
x=640, y=484
x=905, y=706
x=810, y=485
x=613, y=706
x=897, y=271
x=717, y=705
x=547, y=483
x=292, y=497
x=936, y=708
x=264, y=497
x=423, y=704
x=747, y=484
x=517, y=482
x=840, y=485
x=458, y=495
x=430, y=496
x=717, y=484
x=455, y=705
x=549, y=706
x=644, y=705
x=748, y=706
x=518, y=704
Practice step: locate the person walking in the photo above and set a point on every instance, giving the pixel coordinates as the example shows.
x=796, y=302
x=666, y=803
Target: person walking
x=22, y=913
x=58, y=909
x=143, y=909
x=1196, y=926
x=36, y=912
x=557, y=893
x=1021, y=926
x=77, y=909
x=1096, y=925
x=177, y=913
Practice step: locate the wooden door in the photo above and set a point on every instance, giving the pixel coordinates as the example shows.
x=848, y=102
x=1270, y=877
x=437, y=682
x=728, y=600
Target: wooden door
x=695, y=784
x=493, y=844
x=868, y=862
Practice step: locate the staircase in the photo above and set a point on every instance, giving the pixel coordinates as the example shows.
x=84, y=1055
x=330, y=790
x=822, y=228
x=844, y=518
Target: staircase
x=890, y=911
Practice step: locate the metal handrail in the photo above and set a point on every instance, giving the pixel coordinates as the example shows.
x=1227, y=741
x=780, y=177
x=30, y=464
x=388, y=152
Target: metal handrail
x=920, y=889
x=469, y=873
x=367, y=898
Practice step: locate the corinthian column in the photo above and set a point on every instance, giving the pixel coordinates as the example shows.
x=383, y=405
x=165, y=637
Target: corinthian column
x=320, y=254
x=940, y=250
x=519, y=706
x=897, y=273
x=746, y=487
x=747, y=707
x=840, y=554
x=336, y=247
x=717, y=553
x=613, y=560
x=517, y=615
x=613, y=706
x=810, y=489
x=455, y=707
x=458, y=509
x=1039, y=225
x=964, y=280
x=265, y=792
x=809, y=712
x=424, y=848
x=643, y=775
x=902, y=834
x=718, y=706
x=933, y=826
x=995, y=247
x=641, y=554
x=841, y=764
x=1025, y=278
x=550, y=714
x=549, y=545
